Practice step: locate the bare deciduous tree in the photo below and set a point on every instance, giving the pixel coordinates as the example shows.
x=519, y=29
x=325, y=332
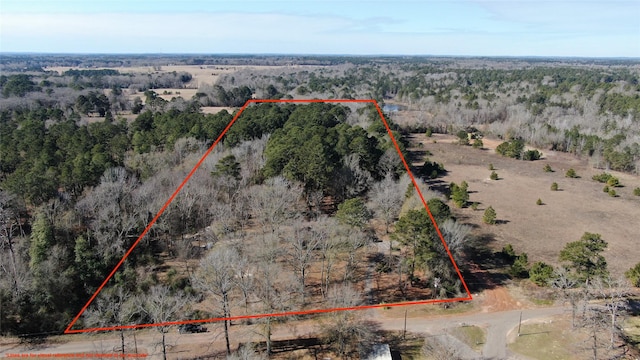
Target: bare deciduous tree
x=275, y=202
x=113, y=307
x=10, y=227
x=244, y=278
x=216, y=277
x=387, y=198
x=563, y=281
x=301, y=246
x=390, y=162
x=324, y=230
x=111, y=213
x=314, y=202
x=354, y=240
x=614, y=292
x=348, y=332
x=251, y=155
x=274, y=288
x=246, y=352
x=456, y=236
x=435, y=349
x=161, y=306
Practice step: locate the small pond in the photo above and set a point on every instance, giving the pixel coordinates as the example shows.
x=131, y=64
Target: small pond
x=393, y=107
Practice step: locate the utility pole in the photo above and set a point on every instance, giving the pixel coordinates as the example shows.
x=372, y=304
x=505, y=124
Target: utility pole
x=404, y=332
x=519, y=323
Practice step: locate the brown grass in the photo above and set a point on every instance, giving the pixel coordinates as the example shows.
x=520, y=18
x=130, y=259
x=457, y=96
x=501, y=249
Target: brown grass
x=541, y=231
x=547, y=340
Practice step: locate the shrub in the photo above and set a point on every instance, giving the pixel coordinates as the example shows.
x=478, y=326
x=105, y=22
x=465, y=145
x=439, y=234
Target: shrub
x=607, y=178
x=494, y=175
x=554, y=186
x=531, y=155
x=602, y=178
x=519, y=269
x=636, y=191
x=491, y=167
x=512, y=148
x=541, y=273
x=429, y=132
x=633, y=275
x=539, y=202
x=612, y=193
x=605, y=189
x=489, y=216
x=571, y=174
x=474, y=205
x=432, y=169
x=459, y=194
x=547, y=168
x=508, y=254
x=614, y=182
x=477, y=144
x=463, y=138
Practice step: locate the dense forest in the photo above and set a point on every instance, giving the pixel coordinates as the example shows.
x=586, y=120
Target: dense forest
x=88, y=157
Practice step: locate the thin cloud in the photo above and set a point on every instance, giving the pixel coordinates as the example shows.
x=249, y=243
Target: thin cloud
x=471, y=27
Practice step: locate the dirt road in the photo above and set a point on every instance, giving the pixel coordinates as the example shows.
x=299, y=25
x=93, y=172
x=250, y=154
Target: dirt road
x=498, y=325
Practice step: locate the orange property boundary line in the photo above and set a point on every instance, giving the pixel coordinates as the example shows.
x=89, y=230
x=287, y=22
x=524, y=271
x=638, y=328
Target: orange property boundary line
x=314, y=311
x=76, y=355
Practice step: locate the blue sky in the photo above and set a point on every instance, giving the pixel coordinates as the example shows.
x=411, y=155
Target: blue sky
x=585, y=28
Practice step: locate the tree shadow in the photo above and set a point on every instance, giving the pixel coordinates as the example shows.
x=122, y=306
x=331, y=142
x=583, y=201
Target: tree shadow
x=439, y=186
x=399, y=343
x=484, y=269
x=284, y=346
x=416, y=154
x=634, y=307
x=534, y=333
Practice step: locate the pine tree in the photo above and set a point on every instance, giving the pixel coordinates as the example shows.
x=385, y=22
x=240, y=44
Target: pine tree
x=41, y=241
x=489, y=216
x=460, y=194
x=571, y=174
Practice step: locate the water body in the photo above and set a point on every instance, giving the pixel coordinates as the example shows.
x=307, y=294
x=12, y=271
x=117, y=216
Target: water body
x=393, y=107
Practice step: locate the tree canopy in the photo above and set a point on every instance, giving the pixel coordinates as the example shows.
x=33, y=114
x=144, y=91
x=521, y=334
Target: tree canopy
x=584, y=256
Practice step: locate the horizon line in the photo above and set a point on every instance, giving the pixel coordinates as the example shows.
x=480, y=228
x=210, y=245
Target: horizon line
x=316, y=55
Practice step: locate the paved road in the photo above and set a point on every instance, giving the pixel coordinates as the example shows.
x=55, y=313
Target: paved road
x=497, y=324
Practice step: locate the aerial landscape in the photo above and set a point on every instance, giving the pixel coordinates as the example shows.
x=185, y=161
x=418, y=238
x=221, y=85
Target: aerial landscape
x=453, y=180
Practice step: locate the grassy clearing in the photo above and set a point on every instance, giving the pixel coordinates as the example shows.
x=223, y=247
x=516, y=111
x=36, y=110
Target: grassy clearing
x=474, y=336
x=411, y=348
x=426, y=310
x=546, y=341
x=542, y=302
x=631, y=328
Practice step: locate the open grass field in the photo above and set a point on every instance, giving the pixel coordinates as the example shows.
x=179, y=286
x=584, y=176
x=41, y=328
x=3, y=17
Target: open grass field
x=201, y=74
x=631, y=328
x=542, y=231
x=474, y=336
x=546, y=341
